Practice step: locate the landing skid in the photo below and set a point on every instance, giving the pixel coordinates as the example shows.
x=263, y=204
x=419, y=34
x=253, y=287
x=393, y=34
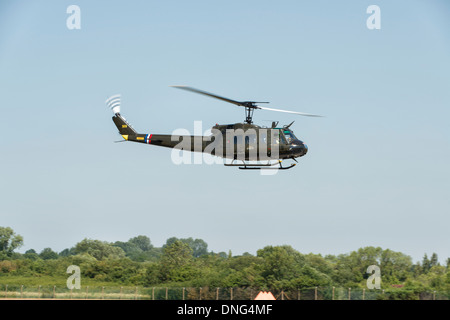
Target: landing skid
x=259, y=166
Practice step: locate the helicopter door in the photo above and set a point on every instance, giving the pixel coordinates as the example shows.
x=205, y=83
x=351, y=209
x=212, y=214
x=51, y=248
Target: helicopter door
x=271, y=140
x=251, y=146
x=238, y=147
x=245, y=146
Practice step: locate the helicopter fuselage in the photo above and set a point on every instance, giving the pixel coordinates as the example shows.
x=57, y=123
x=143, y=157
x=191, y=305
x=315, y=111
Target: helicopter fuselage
x=239, y=141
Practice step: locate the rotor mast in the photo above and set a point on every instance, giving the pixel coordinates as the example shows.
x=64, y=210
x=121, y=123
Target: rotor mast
x=249, y=115
x=250, y=107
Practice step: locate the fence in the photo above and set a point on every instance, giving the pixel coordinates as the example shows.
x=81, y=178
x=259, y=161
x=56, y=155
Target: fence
x=206, y=293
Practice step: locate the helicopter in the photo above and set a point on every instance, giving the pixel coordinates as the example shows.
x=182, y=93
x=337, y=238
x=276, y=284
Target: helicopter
x=243, y=142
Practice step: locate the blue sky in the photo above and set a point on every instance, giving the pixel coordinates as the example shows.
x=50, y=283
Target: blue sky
x=376, y=173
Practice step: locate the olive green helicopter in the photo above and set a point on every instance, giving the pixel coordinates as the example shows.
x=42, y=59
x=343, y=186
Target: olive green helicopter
x=249, y=146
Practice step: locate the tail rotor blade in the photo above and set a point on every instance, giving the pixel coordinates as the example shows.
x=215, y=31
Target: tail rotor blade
x=113, y=103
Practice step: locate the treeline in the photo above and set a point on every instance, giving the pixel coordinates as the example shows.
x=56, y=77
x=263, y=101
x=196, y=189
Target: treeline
x=188, y=263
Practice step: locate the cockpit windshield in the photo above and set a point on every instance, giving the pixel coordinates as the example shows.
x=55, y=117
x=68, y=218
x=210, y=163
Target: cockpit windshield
x=289, y=135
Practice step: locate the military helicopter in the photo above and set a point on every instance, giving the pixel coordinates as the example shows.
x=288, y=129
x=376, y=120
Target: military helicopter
x=241, y=142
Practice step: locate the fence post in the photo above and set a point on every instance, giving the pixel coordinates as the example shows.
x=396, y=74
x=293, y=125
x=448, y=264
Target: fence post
x=349, y=293
x=298, y=294
x=135, y=294
x=332, y=294
x=434, y=295
x=153, y=293
x=87, y=290
x=315, y=293
x=39, y=292
x=217, y=293
x=200, y=294
x=183, y=292
x=364, y=293
x=231, y=294
x=167, y=291
x=54, y=292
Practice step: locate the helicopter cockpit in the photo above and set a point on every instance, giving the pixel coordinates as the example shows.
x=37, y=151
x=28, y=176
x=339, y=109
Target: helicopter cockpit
x=289, y=135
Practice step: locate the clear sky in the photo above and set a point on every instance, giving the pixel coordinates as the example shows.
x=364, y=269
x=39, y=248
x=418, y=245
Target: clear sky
x=377, y=172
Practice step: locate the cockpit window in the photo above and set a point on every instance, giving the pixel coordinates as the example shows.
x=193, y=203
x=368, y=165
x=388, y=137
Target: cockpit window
x=289, y=135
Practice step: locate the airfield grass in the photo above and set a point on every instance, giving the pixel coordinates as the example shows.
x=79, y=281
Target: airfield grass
x=50, y=281
x=35, y=287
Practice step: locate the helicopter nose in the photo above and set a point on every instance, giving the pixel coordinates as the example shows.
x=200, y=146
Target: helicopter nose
x=299, y=149
x=304, y=149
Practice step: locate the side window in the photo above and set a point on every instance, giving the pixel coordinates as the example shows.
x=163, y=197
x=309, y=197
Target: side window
x=283, y=138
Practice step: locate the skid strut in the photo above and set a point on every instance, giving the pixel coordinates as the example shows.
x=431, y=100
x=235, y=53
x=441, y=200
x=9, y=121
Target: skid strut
x=259, y=166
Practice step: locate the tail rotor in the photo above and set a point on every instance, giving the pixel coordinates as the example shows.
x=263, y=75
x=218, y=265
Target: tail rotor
x=125, y=129
x=113, y=103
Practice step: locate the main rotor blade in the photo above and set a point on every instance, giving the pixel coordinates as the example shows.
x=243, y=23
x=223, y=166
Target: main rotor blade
x=248, y=104
x=294, y=112
x=210, y=95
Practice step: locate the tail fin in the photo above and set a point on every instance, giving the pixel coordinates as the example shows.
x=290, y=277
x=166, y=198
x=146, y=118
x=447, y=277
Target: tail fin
x=125, y=129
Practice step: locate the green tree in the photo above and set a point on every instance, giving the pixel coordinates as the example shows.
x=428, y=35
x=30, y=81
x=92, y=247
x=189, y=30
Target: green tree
x=280, y=264
x=395, y=266
x=47, y=254
x=239, y=271
x=139, y=249
x=67, y=252
x=434, y=260
x=426, y=264
x=130, y=249
x=9, y=241
x=175, y=263
x=437, y=277
x=319, y=263
x=31, y=254
x=142, y=242
x=198, y=246
x=351, y=269
x=99, y=249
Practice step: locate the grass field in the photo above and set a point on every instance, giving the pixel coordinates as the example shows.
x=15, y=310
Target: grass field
x=56, y=287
